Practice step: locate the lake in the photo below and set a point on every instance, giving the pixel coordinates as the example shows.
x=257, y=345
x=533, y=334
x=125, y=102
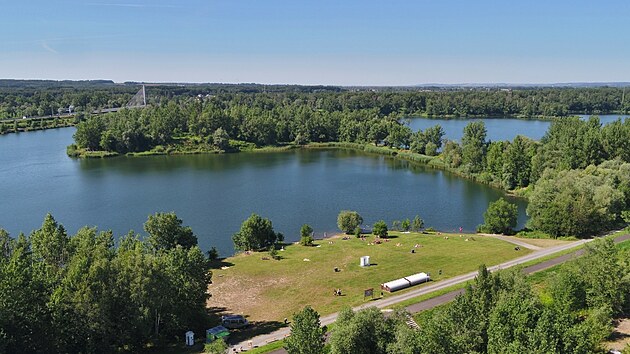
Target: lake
x=214, y=193
x=498, y=128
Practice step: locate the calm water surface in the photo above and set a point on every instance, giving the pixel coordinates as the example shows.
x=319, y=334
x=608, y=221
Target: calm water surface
x=498, y=128
x=215, y=193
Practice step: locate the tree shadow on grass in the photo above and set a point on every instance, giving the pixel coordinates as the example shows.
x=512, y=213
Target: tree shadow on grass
x=254, y=329
x=214, y=315
x=615, y=336
x=218, y=263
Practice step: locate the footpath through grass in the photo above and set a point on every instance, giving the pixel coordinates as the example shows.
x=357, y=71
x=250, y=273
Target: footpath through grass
x=271, y=290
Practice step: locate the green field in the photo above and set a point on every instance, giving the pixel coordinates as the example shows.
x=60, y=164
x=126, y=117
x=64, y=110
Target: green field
x=270, y=290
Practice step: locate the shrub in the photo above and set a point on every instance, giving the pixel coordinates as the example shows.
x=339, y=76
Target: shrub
x=348, y=221
x=306, y=238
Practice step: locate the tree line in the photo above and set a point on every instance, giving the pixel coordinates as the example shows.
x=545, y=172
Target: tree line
x=577, y=177
x=269, y=118
x=43, y=97
x=497, y=313
x=87, y=293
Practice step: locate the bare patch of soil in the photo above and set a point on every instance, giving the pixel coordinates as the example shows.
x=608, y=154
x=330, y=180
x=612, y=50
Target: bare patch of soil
x=621, y=335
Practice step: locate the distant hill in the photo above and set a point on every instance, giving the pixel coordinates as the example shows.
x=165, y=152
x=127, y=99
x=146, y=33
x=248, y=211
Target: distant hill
x=10, y=83
x=255, y=87
x=517, y=85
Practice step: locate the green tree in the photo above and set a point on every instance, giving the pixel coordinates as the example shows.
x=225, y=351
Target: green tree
x=405, y=225
x=108, y=141
x=256, y=233
x=417, y=224
x=434, y=135
x=166, y=232
x=578, y=202
x=378, y=131
x=495, y=158
x=513, y=320
x=24, y=315
x=221, y=139
x=380, y=229
x=213, y=254
x=474, y=146
x=50, y=244
x=452, y=153
x=306, y=235
x=605, y=276
x=500, y=218
x=88, y=134
x=307, y=336
x=418, y=142
x=517, y=163
x=215, y=347
x=399, y=135
x=365, y=332
x=348, y=221
x=430, y=149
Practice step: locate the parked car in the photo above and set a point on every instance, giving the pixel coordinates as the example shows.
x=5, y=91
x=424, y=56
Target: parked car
x=234, y=321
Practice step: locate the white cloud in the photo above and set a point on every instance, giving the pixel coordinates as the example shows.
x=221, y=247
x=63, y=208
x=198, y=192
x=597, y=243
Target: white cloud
x=49, y=48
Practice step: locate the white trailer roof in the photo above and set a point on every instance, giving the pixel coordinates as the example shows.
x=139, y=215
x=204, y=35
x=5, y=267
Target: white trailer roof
x=418, y=278
x=396, y=284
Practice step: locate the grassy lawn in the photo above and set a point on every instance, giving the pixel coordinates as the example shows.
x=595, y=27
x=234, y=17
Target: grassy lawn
x=270, y=290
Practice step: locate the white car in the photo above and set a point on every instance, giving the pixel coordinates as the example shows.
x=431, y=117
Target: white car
x=234, y=322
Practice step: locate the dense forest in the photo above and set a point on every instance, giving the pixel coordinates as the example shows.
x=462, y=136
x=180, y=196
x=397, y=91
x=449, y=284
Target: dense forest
x=30, y=98
x=497, y=313
x=87, y=293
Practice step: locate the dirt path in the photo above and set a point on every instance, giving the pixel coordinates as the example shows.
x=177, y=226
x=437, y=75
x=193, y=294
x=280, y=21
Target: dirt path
x=511, y=239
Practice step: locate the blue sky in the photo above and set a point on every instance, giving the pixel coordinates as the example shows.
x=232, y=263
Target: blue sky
x=342, y=42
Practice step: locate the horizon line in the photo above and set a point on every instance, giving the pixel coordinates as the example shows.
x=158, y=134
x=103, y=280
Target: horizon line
x=428, y=84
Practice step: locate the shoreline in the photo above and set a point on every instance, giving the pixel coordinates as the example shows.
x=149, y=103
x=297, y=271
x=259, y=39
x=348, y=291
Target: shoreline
x=433, y=162
x=26, y=129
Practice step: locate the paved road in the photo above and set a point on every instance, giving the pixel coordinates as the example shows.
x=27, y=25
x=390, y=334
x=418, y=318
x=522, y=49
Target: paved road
x=66, y=115
x=511, y=239
x=442, y=299
x=392, y=300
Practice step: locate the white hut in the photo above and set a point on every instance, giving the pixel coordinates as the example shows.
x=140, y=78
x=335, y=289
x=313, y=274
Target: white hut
x=190, y=338
x=365, y=261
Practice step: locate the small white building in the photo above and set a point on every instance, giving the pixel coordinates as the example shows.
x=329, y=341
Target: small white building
x=365, y=261
x=190, y=338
